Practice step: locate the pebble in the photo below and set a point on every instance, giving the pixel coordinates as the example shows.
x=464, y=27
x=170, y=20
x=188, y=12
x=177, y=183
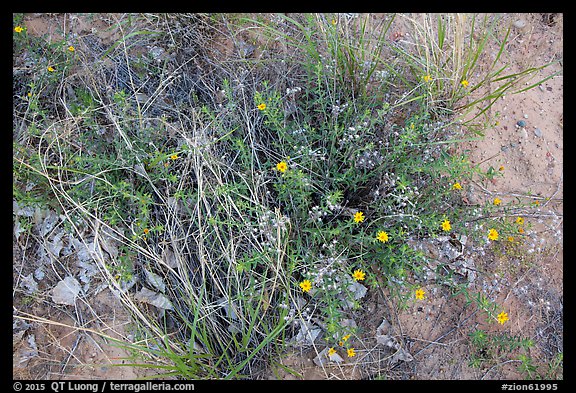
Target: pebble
x=538, y=132
x=521, y=123
x=520, y=24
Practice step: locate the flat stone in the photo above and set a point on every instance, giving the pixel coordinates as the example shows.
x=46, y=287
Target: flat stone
x=520, y=24
x=66, y=291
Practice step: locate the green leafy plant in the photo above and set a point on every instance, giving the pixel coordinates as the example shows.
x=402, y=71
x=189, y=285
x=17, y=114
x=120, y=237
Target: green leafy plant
x=260, y=198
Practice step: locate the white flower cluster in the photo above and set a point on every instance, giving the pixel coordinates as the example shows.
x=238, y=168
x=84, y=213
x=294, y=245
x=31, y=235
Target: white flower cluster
x=333, y=205
x=352, y=134
x=268, y=225
x=396, y=198
x=337, y=109
x=291, y=91
x=369, y=159
x=316, y=213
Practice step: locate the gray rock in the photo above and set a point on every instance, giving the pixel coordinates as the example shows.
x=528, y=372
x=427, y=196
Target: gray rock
x=538, y=132
x=66, y=291
x=323, y=358
x=29, y=284
x=520, y=24
x=26, y=352
x=39, y=273
x=307, y=334
x=358, y=289
x=154, y=298
x=155, y=280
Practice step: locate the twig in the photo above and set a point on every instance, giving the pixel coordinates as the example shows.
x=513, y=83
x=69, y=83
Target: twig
x=498, y=365
x=436, y=341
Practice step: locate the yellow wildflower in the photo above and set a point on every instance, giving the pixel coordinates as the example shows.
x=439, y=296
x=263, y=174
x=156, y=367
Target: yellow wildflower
x=359, y=217
x=306, y=285
x=446, y=226
x=18, y=29
x=71, y=48
x=262, y=106
x=282, y=166
x=174, y=157
x=510, y=239
x=427, y=78
x=502, y=317
x=146, y=230
x=50, y=69
x=344, y=339
x=520, y=230
x=382, y=236
x=351, y=352
x=334, y=22
x=497, y=201
x=456, y=186
x=520, y=221
x=331, y=351
x=493, y=234
x=358, y=275
x=419, y=294
x=501, y=168
x=464, y=83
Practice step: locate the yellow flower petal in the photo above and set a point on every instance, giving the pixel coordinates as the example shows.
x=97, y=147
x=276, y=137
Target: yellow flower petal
x=493, y=234
x=359, y=217
x=382, y=236
x=306, y=285
x=282, y=166
x=358, y=275
x=419, y=294
x=502, y=317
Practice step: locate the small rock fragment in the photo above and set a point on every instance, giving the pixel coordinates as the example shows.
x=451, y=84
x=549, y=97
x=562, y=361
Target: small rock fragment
x=146, y=295
x=66, y=291
x=520, y=24
x=323, y=357
x=29, y=284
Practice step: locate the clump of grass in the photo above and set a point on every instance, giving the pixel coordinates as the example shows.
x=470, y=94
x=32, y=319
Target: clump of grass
x=258, y=205
x=459, y=61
